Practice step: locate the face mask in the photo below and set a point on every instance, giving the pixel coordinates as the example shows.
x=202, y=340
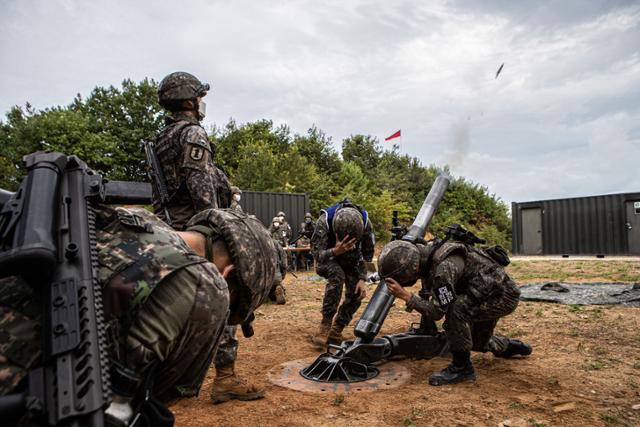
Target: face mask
x=202, y=109
x=236, y=197
x=276, y=224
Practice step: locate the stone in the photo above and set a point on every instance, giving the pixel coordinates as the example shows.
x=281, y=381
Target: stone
x=564, y=407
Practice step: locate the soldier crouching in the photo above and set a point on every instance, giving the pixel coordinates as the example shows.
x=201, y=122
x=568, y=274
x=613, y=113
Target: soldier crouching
x=466, y=285
x=167, y=295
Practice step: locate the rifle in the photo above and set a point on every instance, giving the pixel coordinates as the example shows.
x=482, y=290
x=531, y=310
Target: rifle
x=49, y=223
x=158, y=181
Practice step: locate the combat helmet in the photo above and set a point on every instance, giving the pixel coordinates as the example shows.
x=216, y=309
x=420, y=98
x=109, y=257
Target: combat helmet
x=180, y=86
x=400, y=260
x=252, y=253
x=348, y=221
x=235, y=190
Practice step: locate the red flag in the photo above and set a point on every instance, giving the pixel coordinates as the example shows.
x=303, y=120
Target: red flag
x=395, y=135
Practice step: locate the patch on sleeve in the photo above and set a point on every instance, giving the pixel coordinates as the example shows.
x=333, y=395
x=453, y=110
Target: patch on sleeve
x=196, y=153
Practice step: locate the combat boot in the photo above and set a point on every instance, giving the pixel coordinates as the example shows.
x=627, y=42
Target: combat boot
x=458, y=371
x=228, y=385
x=335, y=335
x=516, y=348
x=320, y=339
x=280, y=295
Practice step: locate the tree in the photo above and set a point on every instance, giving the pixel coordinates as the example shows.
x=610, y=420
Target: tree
x=104, y=130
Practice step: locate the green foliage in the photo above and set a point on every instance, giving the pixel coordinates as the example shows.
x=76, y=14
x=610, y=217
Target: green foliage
x=104, y=130
x=106, y=127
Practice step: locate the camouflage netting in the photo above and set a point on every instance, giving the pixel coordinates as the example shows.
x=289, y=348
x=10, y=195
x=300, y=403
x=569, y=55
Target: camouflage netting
x=583, y=293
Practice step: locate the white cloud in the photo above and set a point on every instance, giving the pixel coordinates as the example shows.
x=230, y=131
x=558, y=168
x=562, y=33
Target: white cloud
x=558, y=122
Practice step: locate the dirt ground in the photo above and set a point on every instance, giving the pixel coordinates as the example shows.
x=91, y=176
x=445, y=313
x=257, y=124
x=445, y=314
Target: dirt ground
x=584, y=371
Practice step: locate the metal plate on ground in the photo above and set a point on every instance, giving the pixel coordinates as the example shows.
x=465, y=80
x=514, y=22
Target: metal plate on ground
x=287, y=375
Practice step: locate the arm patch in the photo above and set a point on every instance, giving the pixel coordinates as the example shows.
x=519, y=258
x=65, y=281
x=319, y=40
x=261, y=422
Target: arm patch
x=197, y=150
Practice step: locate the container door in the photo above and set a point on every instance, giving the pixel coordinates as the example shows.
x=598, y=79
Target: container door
x=633, y=226
x=532, y=231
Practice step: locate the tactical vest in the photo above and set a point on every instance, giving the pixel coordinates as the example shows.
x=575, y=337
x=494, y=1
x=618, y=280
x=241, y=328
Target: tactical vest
x=136, y=251
x=169, y=147
x=483, y=277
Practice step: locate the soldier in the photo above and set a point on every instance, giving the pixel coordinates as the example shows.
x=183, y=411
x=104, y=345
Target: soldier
x=304, y=240
x=341, y=243
x=236, y=195
x=194, y=183
x=278, y=232
x=466, y=285
x=278, y=292
x=284, y=227
x=167, y=296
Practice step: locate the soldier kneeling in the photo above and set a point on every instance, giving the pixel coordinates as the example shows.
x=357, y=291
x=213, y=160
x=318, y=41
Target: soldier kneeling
x=465, y=284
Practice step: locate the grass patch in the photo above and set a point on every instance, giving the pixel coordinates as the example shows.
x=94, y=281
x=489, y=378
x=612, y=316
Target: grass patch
x=575, y=308
x=516, y=405
x=536, y=423
x=410, y=420
x=515, y=333
x=611, y=420
x=593, y=365
x=600, y=351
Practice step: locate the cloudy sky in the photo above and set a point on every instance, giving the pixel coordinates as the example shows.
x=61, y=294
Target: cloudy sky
x=561, y=120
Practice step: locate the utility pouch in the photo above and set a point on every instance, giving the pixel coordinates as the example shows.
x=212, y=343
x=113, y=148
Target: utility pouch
x=133, y=221
x=498, y=254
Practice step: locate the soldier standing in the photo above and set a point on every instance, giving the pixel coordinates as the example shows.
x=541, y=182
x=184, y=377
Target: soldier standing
x=236, y=195
x=465, y=284
x=341, y=243
x=193, y=181
x=304, y=240
x=284, y=227
x=194, y=184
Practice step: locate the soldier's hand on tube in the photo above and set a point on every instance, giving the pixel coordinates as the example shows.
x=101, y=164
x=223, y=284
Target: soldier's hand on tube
x=397, y=290
x=344, y=245
x=361, y=289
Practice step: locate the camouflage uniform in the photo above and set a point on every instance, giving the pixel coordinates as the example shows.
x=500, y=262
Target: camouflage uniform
x=163, y=304
x=279, y=235
x=194, y=183
x=306, y=230
x=146, y=268
x=348, y=268
x=19, y=332
x=482, y=293
x=236, y=205
x=228, y=349
x=281, y=272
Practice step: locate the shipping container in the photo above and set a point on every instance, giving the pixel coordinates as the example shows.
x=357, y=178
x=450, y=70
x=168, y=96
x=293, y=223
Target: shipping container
x=595, y=225
x=265, y=205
